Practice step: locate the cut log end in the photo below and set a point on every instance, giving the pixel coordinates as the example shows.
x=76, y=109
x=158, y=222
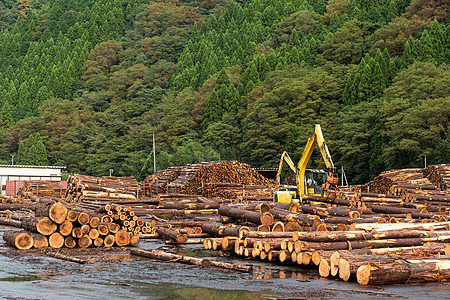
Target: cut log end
x=56, y=240
x=21, y=240
x=324, y=268
x=344, y=269
x=363, y=274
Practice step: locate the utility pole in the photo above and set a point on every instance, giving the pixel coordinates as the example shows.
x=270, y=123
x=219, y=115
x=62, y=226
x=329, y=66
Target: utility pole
x=425, y=161
x=12, y=159
x=154, y=154
x=110, y=172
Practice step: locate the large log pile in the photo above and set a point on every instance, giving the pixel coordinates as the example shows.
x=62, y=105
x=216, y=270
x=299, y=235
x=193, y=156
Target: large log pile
x=83, y=187
x=387, y=182
x=158, y=182
x=58, y=226
x=439, y=175
x=41, y=188
x=193, y=179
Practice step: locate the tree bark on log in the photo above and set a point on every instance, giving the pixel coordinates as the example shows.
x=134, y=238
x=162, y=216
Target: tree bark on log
x=251, y=216
x=161, y=255
x=404, y=271
x=171, y=234
x=288, y=216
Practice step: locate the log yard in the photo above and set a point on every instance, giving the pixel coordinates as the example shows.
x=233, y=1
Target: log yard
x=216, y=227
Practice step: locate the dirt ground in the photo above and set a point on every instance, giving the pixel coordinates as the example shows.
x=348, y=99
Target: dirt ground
x=115, y=274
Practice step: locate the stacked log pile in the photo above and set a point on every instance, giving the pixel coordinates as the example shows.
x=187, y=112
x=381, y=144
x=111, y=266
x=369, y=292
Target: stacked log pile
x=387, y=182
x=357, y=235
x=51, y=188
x=339, y=253
x=158, y=182
x=237, y=191
x=439, y=175
x=57, y=225
x=83, y=187
x=193, y=179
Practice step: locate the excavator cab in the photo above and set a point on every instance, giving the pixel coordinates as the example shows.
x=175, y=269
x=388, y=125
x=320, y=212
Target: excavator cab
x=315, y=179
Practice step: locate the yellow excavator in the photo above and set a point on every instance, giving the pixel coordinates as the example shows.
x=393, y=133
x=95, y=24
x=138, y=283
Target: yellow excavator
x=308, y=180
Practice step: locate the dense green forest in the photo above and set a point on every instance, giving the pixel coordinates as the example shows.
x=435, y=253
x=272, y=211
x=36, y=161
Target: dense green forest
x=85, y=84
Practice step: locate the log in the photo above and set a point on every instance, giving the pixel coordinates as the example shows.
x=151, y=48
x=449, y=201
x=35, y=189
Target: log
x=98, y=242
x=103, y=229
x=10, y=222
x=362, y=244
x=330, y=200
x=41, y=225
x=161, y=255
x=83, y=218
x=250, y=216
x=171, y=234
x=40, y=240
x=70, y=242
x=57, y=212
x=289, y=216
x=64, y=257
x=134, y=240
x=21, y=240
x=324, y=268
x=404, y=271
x=350, y=261
x=77, y=232
x=93, y=233
x=56, y=240
x=122, y=238
x=343, y=236
x=72, y=215
x=260, y=234
x=65, y=228
x=84, y=242
x=109, y=240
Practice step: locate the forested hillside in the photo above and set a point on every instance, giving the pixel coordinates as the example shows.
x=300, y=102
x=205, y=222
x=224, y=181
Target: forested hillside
x=86, y=83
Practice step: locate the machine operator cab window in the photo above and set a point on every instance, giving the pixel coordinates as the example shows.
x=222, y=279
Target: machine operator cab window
x=314, y=179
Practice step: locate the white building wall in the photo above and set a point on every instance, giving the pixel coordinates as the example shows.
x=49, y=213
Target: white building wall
x=18, y=172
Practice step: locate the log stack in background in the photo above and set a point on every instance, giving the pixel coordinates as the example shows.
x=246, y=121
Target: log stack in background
x=41, y=188
x=439, y=175
x=158, y=182
x=387, y=182
x=83, y=187
x=216, y=175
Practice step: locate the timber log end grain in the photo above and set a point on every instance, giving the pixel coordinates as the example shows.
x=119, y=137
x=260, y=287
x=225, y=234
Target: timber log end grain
x=57, y=212
x=122, y=238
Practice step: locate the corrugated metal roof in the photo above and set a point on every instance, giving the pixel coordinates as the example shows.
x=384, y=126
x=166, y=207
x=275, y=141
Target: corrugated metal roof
x=31, y=166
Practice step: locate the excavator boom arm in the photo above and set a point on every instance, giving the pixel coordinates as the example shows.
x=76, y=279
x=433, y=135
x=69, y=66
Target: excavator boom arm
x=285, y=157
x=317, y=137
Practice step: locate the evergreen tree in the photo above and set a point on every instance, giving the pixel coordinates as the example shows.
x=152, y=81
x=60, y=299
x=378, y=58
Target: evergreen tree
x=40, y=158
x=22, y=155
x=6, y=120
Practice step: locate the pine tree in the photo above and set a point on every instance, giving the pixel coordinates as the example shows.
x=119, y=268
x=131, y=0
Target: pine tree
x=22, y=155
x=294, y=40
x=40, y=158
x=6, y=120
